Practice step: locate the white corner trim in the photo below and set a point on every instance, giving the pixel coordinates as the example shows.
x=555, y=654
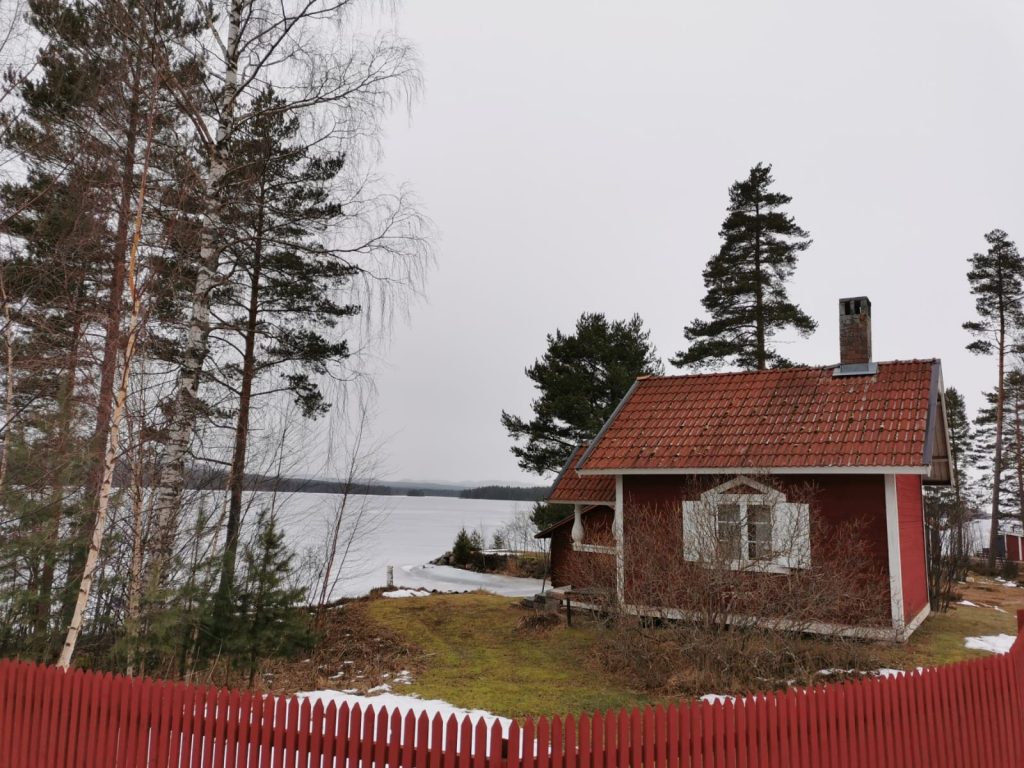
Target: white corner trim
x=916, y=622
x=620, y=548
x=892, y=530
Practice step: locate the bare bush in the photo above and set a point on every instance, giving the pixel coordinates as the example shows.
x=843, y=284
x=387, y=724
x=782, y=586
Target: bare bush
x=735, y=590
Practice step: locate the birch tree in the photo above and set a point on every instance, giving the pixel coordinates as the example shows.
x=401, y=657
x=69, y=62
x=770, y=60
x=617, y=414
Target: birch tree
x=135, y=323
x=339, y=89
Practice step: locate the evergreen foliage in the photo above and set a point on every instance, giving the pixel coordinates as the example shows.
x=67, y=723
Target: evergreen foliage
x=269, y=619
x=544, y=515
x=581, y=379
x=950, y=509
x=746, y=298
x=465, y=547
x=996, y=278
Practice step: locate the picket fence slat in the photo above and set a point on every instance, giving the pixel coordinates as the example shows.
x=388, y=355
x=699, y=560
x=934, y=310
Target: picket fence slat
x=965, y=714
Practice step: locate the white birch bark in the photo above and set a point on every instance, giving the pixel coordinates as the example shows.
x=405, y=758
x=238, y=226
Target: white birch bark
x=5, y=444
x=135, y=321
x=183, y=411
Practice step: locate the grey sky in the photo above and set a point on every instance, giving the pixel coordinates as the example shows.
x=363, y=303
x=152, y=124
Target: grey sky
x=576, y=155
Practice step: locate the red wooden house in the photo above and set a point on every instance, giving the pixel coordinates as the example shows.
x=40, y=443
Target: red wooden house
x=727, y=459
x=1011, y=541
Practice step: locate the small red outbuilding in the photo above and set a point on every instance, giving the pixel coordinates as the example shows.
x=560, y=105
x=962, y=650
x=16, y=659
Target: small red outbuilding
x=727, y=458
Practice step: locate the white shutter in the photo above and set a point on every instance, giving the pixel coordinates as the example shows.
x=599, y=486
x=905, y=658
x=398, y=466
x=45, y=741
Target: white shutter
x=791, y=535
x=691, y=531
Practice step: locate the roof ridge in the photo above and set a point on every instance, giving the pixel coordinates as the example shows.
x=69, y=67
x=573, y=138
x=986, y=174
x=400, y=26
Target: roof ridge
x=831, y=366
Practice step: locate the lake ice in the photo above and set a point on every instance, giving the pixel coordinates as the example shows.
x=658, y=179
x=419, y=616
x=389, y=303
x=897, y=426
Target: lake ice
x=405, y=532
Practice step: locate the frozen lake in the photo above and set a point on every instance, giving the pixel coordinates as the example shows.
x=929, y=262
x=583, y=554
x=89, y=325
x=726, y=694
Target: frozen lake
x=405, y=532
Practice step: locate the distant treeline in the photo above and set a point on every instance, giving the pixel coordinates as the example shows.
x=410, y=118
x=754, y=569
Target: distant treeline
x=507, y=492
x=215, y=478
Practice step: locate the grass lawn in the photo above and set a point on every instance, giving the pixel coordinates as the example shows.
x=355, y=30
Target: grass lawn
x=940, y=640
x=468, y=650
x=475, y=657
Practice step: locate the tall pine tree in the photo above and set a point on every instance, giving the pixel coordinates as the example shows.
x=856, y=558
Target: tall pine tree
x=997, y=282
x=746, y=295
x=581, y=378
x=285, y=299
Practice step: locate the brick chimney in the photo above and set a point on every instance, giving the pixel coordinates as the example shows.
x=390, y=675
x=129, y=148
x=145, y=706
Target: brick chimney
x=854, y=332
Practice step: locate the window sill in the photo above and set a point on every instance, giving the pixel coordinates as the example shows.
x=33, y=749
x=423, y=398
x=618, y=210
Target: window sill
x=753, y=566
x=595, y=549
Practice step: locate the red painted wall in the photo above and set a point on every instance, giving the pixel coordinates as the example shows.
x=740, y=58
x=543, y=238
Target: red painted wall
x=584, y=569
x=910, y=506
x=841, y=505
x=1013, y=548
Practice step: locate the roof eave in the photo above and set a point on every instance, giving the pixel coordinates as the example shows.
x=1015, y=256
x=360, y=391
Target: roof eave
x=597, y=439
x=834, y=470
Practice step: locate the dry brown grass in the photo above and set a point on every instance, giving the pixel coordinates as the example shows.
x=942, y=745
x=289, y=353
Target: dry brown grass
x=353, y=653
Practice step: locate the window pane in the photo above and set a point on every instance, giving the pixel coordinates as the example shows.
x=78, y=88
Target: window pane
x=729, y=531
x=759, y=531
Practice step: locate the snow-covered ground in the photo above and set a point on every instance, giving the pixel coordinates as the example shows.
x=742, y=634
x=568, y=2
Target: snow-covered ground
x=395, y=703
x=990, y=643
x=405, y=532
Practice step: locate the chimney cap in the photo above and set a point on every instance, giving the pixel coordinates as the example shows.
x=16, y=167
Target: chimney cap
x=853, y=305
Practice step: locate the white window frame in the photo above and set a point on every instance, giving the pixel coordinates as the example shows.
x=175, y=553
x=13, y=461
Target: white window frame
x=790, y=527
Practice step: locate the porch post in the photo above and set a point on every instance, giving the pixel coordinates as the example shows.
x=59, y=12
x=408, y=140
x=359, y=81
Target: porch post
x=577, y=524
x=620, y=550
x=892, y=529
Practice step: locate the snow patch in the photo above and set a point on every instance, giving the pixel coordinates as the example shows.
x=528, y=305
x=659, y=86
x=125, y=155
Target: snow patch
x=967, y=602
x=886, y=672
x=717, y=698
x=404, y=704
x=990, y=643
x=406, y=593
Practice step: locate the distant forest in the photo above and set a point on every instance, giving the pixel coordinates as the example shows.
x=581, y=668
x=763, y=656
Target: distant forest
x=212, y=478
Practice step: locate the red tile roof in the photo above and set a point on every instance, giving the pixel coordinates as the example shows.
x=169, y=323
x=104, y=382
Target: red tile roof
x=571, y=488
x=796, y=418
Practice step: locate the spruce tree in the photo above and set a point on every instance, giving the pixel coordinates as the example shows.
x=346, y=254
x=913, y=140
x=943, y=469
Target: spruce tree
x=581, y=379
x=746, y=296
x=269, y=619
x=997, y=282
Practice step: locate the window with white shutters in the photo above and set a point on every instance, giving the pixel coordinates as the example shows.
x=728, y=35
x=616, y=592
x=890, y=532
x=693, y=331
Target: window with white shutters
x=744, y=524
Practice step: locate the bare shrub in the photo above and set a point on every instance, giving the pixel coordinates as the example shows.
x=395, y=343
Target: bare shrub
x=538, y=622
x=736, y=596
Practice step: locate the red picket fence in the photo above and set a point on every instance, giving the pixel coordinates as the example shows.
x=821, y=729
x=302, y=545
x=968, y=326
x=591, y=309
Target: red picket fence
x=966, y=714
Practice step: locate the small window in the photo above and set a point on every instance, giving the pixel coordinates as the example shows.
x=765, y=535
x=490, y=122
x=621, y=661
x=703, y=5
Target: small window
x=746, y=524
x=759, y=532
x=730, y=538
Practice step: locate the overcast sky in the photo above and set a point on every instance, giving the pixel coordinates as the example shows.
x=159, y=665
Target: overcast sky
x=576, y=156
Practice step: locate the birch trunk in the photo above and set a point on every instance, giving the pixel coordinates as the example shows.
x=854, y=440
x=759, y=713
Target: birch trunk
x=116, y=416
x=5, y=444
x=183, y=410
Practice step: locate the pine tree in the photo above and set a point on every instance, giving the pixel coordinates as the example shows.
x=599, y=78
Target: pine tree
x=949, y=509
x=284, y=300
x=269, y=619
x=997, y=282
x=746, y=296
x=581, y=379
